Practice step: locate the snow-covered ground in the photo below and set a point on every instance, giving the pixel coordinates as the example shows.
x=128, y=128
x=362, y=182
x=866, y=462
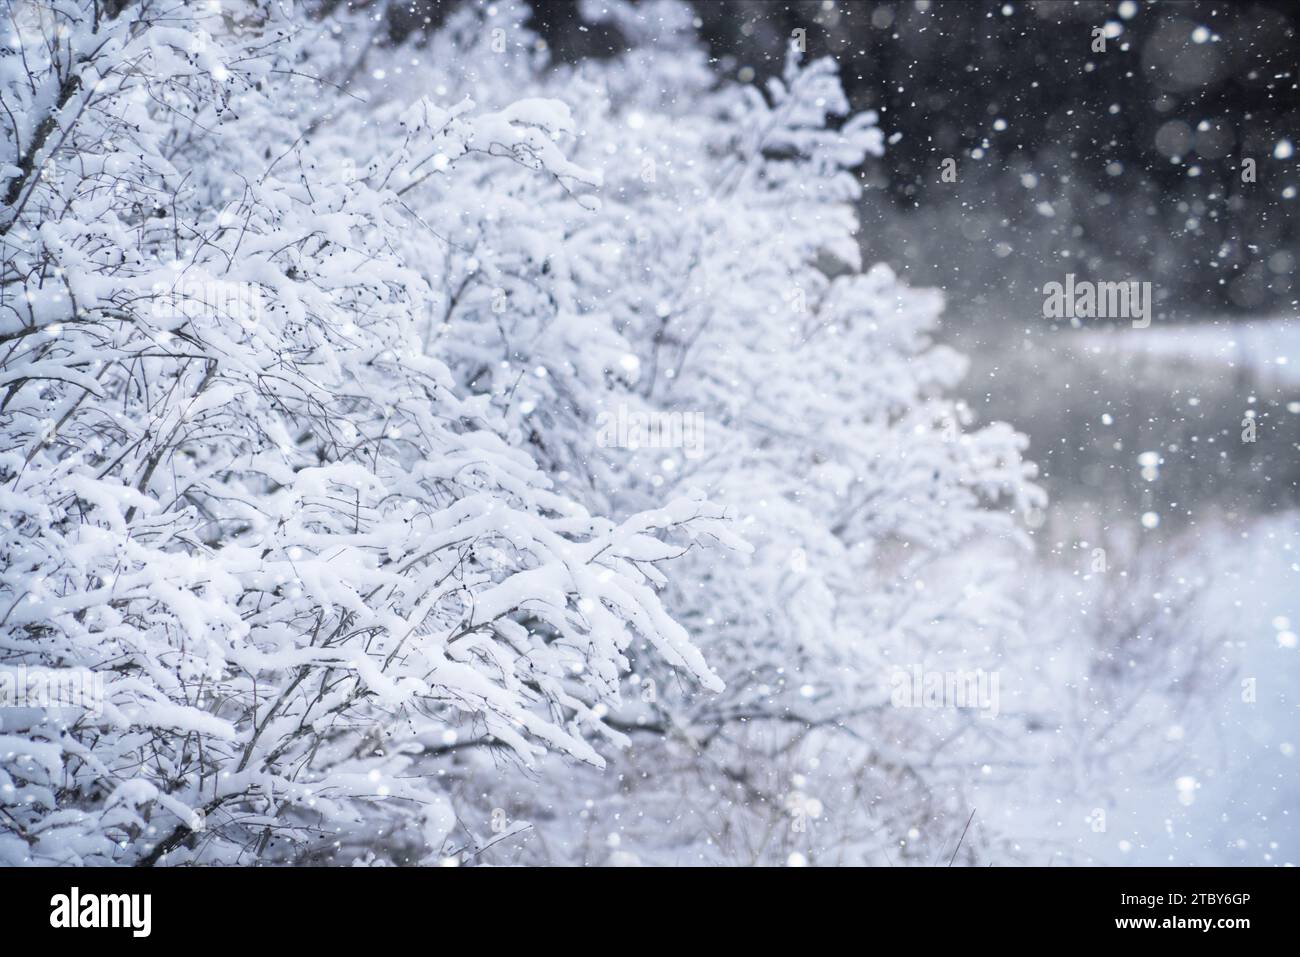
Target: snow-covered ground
x=1226, y=790
x=1232, y=794
x=1268, y=347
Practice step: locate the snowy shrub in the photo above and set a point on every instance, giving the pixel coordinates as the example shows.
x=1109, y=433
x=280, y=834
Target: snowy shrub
x=269, y=518
x=311, y=347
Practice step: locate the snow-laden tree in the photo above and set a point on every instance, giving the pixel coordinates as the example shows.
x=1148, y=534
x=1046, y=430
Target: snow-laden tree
x=240, y=483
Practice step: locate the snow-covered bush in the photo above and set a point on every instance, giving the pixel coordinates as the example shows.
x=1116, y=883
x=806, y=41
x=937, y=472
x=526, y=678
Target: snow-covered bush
x=238, y=488
x=369, y=413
